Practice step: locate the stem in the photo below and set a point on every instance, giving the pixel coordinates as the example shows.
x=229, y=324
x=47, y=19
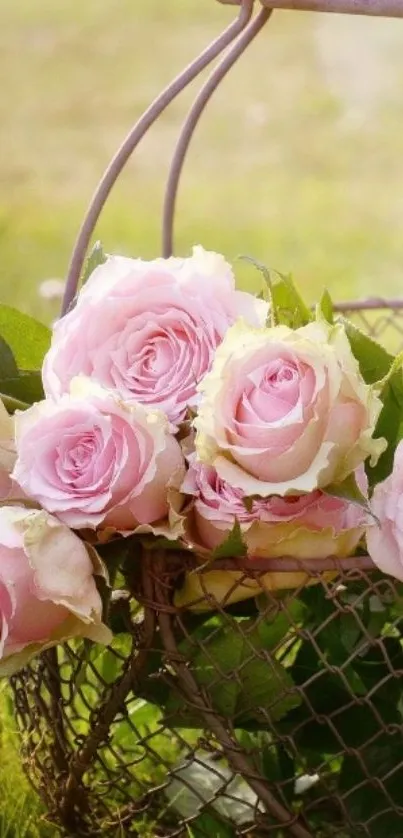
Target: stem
x=59, y=747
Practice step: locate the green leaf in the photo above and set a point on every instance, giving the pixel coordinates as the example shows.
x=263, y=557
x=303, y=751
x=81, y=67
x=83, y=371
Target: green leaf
x=377, y=365
x=18, y=388
x=241, y=676
x=209, y=826
x=110, y=661
x=143, y=714
x=371, y=785
x=266, y=292
x=343, y=661
x=277, y=765
x=286, y=305
x=272, y=632
x=348, y=490
x=215, y=668
x=96, y=257
x=26, y=387
x=233, y=546
x=28, y=339
x=390, y=426
x=374, y=361
x=12, y=404
x=350, y=631
x=8, y=366
x=395, y=369
x=325, y=306
x=374, y=667
x=268, y=692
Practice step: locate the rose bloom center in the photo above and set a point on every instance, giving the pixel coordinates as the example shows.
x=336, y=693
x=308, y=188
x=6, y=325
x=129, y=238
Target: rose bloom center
x=73, y=461
x=272, y=391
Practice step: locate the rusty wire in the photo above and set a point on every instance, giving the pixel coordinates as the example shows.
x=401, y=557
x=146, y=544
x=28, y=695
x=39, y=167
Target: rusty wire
x=108, y=737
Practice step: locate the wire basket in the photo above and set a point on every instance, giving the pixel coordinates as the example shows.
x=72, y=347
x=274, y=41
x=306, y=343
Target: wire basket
x=281, y=715
x=153, y=737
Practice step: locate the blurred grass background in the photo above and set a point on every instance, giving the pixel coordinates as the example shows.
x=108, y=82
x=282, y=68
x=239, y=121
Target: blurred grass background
x=297, y=162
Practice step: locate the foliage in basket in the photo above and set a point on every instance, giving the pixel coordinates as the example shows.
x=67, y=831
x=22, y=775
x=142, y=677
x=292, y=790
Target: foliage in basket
x=173, y=424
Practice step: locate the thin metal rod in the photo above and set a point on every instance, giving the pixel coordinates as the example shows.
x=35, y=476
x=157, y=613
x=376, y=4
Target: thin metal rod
x=377, y=8
x=289, y=565
x=135, y=136
x=370, y=304
x=197, y=698
x=380, y=8
x=192, y=120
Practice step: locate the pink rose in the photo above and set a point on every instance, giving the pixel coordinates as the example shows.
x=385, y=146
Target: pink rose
x=308, y=526
x=47, y=588
x=385, y=540
x=149, y=329
x=311, y=526
x=286, y=411
x=96, y=462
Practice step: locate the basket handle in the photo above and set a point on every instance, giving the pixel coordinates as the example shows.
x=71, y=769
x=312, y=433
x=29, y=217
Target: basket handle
x=376, y=8
x=192, y=120
x=135, y=136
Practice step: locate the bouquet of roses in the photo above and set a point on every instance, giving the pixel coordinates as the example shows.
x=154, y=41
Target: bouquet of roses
x=169, y=411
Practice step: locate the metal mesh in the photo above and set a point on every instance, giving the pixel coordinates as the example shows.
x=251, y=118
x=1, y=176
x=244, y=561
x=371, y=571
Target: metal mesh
x=121, y=743
x=280, y=715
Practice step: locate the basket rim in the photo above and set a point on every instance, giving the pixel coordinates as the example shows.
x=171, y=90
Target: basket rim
x=287, y=564
x=369, y=304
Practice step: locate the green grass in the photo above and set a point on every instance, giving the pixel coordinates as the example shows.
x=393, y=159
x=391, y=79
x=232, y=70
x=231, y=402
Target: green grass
x=297, y=162
x=281, y=167
x=21, y=815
